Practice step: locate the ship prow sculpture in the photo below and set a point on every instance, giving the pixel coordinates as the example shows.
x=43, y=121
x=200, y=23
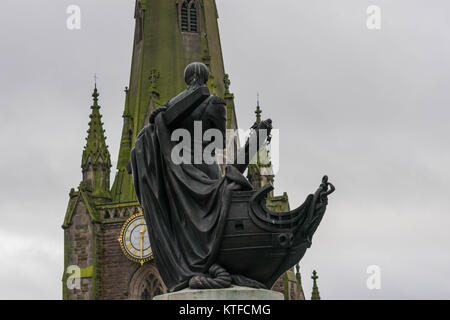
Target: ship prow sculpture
x=262, y=244
x=210, y=230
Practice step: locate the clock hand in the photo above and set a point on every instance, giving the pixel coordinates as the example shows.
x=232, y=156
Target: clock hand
x=142, y=240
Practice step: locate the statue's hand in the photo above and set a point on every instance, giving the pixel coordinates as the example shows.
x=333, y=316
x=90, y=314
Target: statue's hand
x=156, y=112
x=266, y=124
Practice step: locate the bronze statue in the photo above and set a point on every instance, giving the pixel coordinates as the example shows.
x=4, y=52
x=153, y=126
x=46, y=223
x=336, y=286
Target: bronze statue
x=208, y=229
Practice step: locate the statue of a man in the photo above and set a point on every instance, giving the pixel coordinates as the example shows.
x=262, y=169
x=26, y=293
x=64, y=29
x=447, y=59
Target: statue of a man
x=185, y=205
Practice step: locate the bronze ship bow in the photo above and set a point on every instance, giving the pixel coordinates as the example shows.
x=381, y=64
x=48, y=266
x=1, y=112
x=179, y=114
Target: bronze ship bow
x=255, y=235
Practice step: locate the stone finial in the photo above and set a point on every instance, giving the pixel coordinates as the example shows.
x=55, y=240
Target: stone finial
x=227, y=83
x=258, y=110
x=315, y=292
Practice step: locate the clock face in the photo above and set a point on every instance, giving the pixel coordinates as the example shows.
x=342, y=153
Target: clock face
x=134, y=239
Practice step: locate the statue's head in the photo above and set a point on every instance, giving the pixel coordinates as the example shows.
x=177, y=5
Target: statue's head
x=196, y=74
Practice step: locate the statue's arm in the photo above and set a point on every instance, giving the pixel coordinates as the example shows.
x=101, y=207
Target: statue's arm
x=183, y=107
x=216, y=113
x=157, y=111
x=247, y=152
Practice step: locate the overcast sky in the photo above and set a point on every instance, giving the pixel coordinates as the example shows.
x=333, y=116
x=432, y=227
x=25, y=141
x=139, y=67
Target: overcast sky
x=370, y=108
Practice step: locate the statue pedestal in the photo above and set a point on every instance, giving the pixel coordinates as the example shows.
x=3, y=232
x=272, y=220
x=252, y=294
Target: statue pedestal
x=232, y=293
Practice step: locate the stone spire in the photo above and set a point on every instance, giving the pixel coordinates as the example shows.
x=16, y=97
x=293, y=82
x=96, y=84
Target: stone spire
x=258, y=121
x=96, y=160
x=258, y=110
x=298, y=280
x=260, y=170
x=315, y=292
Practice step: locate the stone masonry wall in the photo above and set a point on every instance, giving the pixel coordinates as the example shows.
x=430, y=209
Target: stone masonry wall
x=116, y=268
x=80, y=237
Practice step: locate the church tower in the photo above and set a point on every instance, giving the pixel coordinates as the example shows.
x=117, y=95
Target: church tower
x=100, y=260
x=168, y=36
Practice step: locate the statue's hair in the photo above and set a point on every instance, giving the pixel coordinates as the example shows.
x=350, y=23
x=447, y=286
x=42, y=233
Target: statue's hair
x=196, y=74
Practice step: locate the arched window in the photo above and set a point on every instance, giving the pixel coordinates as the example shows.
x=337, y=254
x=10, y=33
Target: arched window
x=184, y=17
x=151, y=288
x=146, y=283
x=189, y=16
x=193, y=17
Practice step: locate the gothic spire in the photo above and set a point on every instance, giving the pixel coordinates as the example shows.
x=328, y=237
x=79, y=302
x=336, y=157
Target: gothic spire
x=258, y=110
x=260, y=169
x=96, y=149
x=315, y=292
x=263, y=156
x=298, y=278
x=96, y=159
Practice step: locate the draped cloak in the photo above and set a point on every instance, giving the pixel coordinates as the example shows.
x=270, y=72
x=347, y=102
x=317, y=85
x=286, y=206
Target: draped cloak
x=184, y=208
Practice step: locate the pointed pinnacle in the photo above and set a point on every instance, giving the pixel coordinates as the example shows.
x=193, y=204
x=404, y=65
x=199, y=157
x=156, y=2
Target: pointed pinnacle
x=95, y=95
x=258, y=111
